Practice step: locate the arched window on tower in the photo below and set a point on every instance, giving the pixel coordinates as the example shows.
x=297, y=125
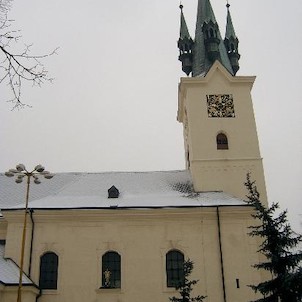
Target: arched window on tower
x=174, y=268
x=49, y=271
x=111, y=270
x=222, y=142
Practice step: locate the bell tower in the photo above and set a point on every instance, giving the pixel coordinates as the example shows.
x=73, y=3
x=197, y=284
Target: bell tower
x=215, y=107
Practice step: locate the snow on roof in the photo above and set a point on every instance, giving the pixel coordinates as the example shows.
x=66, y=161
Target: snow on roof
x=90, y=190
x=10, y=272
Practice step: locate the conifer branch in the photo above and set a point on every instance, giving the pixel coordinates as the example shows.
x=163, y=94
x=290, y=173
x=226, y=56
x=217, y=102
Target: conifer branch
x=279, y=246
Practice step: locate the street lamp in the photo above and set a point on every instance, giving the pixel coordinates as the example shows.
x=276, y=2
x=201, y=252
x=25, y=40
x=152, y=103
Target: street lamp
x=19, y=173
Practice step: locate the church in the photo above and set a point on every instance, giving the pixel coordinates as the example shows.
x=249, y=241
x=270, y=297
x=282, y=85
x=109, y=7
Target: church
x=124, y=236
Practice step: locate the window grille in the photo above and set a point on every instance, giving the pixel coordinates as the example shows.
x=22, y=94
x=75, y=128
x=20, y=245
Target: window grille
x=49, y=271
x=174, y=268
x=111, y=270
x=222, y=142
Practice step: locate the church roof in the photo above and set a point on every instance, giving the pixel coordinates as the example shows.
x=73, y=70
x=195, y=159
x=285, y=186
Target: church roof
x=90, y=190
x=9, y=271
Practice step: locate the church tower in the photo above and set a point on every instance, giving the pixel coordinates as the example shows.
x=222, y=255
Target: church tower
x=215, y=107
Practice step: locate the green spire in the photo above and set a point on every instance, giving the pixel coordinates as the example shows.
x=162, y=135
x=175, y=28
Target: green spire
x=184, y=32
x=231, y=42
x=205, y=12
x=185, y=45
x=230, y=31
x=208, y=45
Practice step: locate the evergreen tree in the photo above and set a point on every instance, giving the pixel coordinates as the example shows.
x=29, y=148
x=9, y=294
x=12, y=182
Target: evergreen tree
x=280, y=247
x=185, y=287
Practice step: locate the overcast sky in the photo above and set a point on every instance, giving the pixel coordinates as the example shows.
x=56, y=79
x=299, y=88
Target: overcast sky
x=113, y=103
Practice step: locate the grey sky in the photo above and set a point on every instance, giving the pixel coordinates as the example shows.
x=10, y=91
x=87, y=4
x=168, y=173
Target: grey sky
x=112, y=106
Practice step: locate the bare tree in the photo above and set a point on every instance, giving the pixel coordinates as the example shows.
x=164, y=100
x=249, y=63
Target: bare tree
x=18, y=67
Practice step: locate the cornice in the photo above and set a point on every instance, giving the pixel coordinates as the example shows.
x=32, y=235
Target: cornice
x=86, y=215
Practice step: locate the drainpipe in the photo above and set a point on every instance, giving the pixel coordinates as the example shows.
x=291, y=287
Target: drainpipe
x=221, y=257
x=31, y=211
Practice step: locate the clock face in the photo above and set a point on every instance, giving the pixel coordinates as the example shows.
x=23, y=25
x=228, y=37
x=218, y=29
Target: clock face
x=220, y=105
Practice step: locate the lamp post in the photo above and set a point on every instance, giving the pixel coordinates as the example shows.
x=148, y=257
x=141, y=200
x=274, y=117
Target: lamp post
x=20, y=173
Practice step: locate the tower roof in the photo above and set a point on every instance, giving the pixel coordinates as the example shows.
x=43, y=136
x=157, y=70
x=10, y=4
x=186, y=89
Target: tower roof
x=231, y=42
x=201, y=61
x=184, y=32
x=185, y=45
x=205, y=12
x=230, y=31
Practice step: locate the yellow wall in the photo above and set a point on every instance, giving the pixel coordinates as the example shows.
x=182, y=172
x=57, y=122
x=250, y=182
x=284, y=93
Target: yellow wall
x=212, y=169
x=3, y=228
x=9, y=293
x=142, y=238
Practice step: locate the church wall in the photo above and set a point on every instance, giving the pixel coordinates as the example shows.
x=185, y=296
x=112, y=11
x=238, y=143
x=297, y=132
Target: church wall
x=9, y=293
x=14, y=238
x=237, y=249
x=243, y=141
x=142, y=238
x=3, y=229
x=216, y=169
x=229, y=177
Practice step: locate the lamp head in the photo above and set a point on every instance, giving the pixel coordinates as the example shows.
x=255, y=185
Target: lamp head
x=20, y=167
x=39, y=168
x=37, y=181
x=9, y=174
x=48, y=176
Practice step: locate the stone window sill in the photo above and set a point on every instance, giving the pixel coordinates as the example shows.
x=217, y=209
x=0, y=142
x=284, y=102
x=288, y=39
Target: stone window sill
x=109, y=290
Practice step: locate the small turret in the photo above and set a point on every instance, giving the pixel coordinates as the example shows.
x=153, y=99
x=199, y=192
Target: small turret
x=231, y=42
x=211, y=40
x=185, y=45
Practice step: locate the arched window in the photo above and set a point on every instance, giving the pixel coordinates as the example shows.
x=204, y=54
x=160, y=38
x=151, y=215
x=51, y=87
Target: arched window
x=222, y=142
x=111, y=270
x=49, y=271
x=174, y=268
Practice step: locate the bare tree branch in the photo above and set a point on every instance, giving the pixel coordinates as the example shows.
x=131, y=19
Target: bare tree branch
x=20, y=67
x=5, y=6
